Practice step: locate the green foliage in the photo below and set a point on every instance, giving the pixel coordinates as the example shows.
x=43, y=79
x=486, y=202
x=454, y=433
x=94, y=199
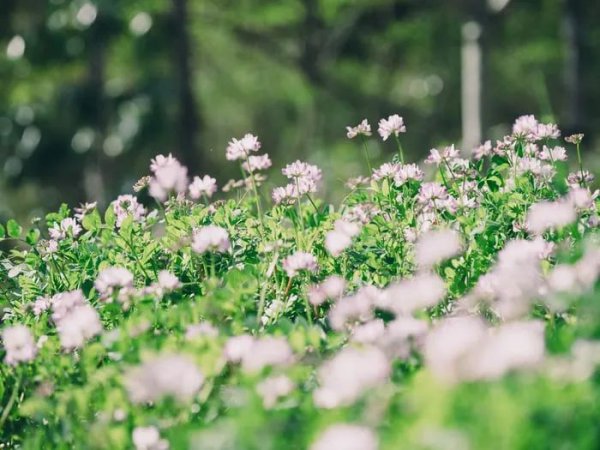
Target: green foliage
x=186, y=279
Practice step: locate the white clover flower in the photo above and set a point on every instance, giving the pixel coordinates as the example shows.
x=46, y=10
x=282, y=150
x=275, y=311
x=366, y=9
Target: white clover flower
x=526, y=127
x=41, y=305
x=65, y=302
x=362, y=128
x=464, y=348
x=211, y=238
x=267, y=351
x=241, y=148
x=350, y=373
x=202, y=186
x=285, y=195
x=553, y=154
x=19, y=344
x=237, y=347
x=167, y=375
x=437, y=157
x=271, y=389
x=435, y=246
x=580, y=179
x=340, y=238
x=204, y=329
x=112, y=279
x=392, y=125
x=167, y=281
x=409, y=295
x=483, y=150
x=547, y=131
x=355, y=308
x=369, y=332
x=169, y=177
x=148, y=438
x=299, y=169
x=582, y=198
x=257, y=163
x=346, y=437
x=432, y=196
x=545, y=215
x=84, y=209
x=386, y=170
x=67, y=227
x=298, y=262
x=79, y=325
x=407, y=172
x=332, y=287
x=127, y=205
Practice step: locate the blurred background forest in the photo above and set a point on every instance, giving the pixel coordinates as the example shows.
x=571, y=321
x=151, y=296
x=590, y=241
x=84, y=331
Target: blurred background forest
x=91, y=89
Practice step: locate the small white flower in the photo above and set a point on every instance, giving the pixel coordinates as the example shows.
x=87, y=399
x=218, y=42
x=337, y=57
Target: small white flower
x=346, y=437
x=111, y=279
x=241, y=148
x=167, y=375
x=19, y=344
x=167, y=281
x=148, y=438
x=202, y=186
x=362, y=128
x=211, y=238
x=392, y=125
x=299, y=261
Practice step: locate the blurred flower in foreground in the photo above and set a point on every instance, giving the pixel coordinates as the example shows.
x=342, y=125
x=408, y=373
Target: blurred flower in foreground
x=167, y=375
x=346, y=437
x=19, y=344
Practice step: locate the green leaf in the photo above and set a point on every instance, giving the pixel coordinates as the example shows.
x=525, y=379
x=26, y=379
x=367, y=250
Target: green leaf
x=2, y=231
x=92, y=221
x=33, y=236
x=13, y=228
x=109, y=217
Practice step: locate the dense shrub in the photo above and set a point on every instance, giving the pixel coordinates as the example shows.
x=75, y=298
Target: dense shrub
x=454, y=313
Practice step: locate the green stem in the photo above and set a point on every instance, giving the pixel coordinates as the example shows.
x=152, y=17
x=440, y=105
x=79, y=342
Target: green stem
x=256, y=196
x=400, y=151
x=10, y=403
x=299, y=213
x=580, y=161
x=366, y=149
x=312, y=203
x=212, y=265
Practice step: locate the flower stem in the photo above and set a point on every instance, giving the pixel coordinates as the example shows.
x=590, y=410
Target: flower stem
x=366, y=149
x=400, y=151
x=580, y=161
x=10, y=403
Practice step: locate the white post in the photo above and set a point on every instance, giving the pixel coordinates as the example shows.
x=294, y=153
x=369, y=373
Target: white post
x=471, y=86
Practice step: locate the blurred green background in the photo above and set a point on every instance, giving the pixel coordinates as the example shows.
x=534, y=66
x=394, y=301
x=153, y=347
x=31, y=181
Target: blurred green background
x=91, y=90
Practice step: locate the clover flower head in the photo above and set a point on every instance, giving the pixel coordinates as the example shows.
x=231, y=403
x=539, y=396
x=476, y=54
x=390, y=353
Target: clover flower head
x=112, y=279
x=257, y=163
x=169, y=177
x=344, y=436
x=66, y=227
x=394, y=124
x=298, y=262
x=362, y=128
x=211, y=238
x=19, y=344
x=241, y=148
x=206, y=185
x=127, y=205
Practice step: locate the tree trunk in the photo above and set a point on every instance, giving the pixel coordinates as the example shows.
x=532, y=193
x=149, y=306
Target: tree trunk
x=572, y=31
x=93, y=173
x=188, y=121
